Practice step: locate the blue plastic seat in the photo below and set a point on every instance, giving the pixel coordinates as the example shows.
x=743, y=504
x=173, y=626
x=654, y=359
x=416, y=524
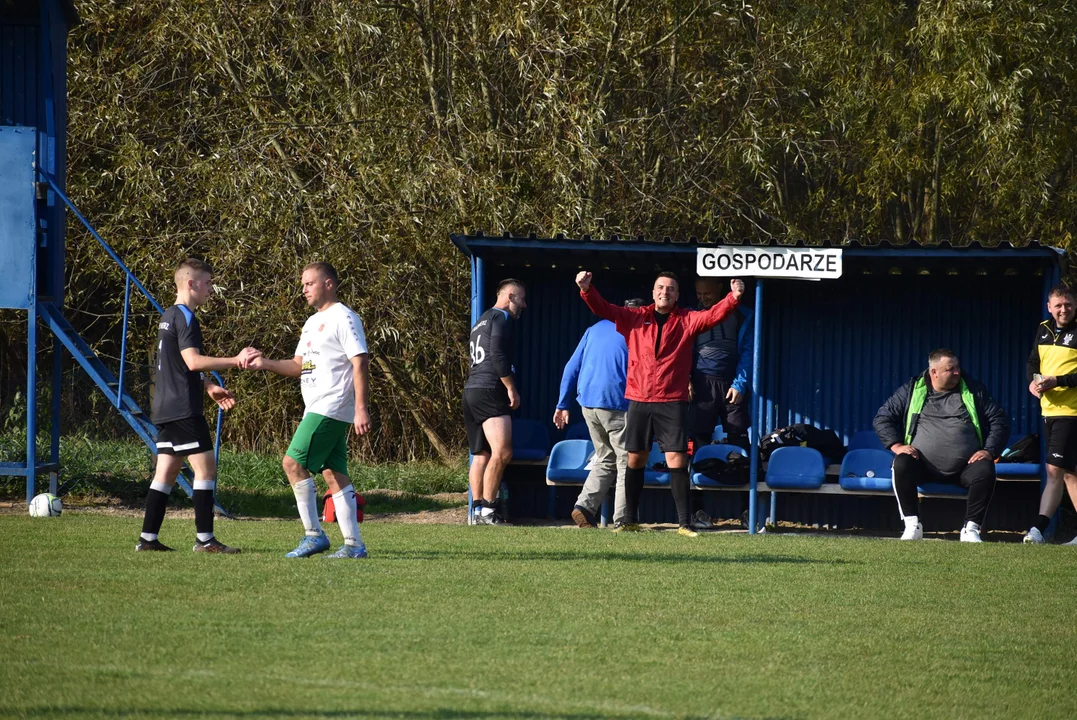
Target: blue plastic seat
x=865, y=440
x=577, y=431
x=1016, y=469
x=568, y=461
x=1005, y=469
x=796, y=468
x=867, y=470
x=530, y=441
x=719, y=451
x=941, y=489
x=652, y=477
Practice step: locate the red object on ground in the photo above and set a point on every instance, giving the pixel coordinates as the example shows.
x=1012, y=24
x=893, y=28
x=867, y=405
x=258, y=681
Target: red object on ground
x=329, y=512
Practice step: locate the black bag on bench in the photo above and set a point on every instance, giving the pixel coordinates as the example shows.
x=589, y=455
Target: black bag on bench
x=803, y=435
x=1025, y=450
x=734, y=470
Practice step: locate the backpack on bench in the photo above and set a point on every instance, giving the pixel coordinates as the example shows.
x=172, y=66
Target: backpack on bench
x=803, y=435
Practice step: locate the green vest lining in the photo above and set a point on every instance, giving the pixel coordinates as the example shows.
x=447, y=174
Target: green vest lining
x=916, y=406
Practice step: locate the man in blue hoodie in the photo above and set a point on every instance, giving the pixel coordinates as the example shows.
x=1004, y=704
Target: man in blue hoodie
x=723, y=371
x=597, y=371
x=721, y=376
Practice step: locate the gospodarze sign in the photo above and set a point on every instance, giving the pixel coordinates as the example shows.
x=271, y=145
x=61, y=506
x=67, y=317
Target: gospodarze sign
x=789, y=262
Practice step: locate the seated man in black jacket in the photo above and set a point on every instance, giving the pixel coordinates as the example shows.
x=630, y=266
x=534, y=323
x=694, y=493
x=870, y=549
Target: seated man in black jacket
x=943, y=428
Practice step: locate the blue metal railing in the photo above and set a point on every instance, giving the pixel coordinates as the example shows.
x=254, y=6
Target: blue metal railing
x=130, y=280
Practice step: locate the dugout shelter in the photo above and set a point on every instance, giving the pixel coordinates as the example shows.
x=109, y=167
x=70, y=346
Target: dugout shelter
x=828, y=351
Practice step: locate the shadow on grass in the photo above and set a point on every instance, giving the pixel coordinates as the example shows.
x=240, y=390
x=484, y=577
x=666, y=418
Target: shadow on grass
x=282, y=504
x=584, y=555
x=435, y=714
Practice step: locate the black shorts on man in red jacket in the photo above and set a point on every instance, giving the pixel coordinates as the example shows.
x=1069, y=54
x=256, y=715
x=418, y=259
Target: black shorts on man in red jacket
x=660, y=341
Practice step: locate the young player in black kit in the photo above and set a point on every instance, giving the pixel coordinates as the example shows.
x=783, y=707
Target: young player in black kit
x=489, y=395
x=182, y=431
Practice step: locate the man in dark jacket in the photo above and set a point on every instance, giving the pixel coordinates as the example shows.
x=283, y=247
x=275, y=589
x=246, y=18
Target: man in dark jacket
x=943, y=428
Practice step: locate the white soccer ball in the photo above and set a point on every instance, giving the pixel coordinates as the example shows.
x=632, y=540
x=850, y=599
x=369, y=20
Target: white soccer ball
x=46, y=505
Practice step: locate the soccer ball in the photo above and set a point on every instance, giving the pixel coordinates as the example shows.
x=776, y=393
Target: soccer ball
x=45, y=505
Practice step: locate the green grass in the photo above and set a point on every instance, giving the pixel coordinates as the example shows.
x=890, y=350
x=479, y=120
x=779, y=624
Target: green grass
x=96, y=471
x=458, y=622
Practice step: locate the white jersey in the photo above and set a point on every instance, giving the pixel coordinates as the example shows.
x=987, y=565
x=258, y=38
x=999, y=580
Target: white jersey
x=329, y=340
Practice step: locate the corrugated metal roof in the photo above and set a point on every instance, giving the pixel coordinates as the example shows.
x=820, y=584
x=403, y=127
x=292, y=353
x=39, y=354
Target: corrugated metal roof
x=467, y=241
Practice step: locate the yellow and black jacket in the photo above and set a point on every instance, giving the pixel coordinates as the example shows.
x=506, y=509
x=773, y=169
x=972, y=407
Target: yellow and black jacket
x=1056, y=354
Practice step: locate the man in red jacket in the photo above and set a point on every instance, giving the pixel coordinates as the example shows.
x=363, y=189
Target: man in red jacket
x=660, y=341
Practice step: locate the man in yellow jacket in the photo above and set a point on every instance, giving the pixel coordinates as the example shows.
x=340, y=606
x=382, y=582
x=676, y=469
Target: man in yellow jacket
x=1052, y=377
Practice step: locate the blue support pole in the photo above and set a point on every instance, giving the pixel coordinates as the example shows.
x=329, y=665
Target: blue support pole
x=757, y=393
x=476, y=311
x=57, y=386
x=217, y=445
x=31, y=399
x=123, y=339
x=1050, y=279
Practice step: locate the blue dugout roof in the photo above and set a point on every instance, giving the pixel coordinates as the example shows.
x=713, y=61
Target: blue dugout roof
x=479, y=244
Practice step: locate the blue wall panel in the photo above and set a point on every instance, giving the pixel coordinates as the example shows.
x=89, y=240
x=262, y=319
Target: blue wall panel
x=20, y=57
x=835, y=350
x=33, y=93
x=17, y=246
x=552, y=325
x=839, y=349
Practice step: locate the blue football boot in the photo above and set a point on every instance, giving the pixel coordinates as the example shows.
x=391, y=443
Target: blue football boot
x=310, y=546
x=350, y=551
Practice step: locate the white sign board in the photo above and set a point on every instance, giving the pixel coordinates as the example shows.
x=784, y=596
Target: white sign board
x=778, y=262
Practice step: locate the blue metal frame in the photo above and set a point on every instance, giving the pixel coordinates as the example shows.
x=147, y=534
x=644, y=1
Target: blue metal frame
x=757, y=404
x=477, y=287
x=1049, y=280
x=31, y=399
x=66, y=336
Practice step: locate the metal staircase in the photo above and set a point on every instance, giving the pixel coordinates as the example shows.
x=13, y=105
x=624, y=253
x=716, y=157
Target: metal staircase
x=112, y=384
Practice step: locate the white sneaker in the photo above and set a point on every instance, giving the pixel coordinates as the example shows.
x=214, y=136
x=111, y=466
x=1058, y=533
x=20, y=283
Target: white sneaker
x=971, y=532
x=913, y=532
x=1072, y=543
x=1033, y=537
x=702, y=519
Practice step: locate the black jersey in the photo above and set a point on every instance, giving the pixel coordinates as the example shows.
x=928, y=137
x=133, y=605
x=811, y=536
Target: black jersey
x=177, y=390
x=492, y=346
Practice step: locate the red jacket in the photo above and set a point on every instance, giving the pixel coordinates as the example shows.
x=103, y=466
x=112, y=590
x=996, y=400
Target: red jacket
x=665, y=377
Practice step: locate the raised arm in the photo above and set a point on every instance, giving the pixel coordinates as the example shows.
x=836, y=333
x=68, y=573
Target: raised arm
x=598, y=304
x=703, y=320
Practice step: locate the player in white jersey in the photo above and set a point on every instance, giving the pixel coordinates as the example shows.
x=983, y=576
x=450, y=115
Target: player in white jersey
x=332, y=363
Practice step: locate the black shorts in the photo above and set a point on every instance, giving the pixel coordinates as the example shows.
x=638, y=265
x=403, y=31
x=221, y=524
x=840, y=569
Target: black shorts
x=481, y=404
x=188, y=436
x=1060, y=434
x=666, y=422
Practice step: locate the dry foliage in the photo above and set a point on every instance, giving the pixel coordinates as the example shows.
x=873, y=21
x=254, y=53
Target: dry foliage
x=265, y=134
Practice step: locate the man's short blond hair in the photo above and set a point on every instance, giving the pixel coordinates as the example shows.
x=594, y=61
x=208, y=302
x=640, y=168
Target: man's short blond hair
x=190, y=268
x=326, y=270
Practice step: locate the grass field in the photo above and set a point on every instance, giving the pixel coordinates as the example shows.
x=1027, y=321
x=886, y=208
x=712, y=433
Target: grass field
x=99, y=471
x=458, y=622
